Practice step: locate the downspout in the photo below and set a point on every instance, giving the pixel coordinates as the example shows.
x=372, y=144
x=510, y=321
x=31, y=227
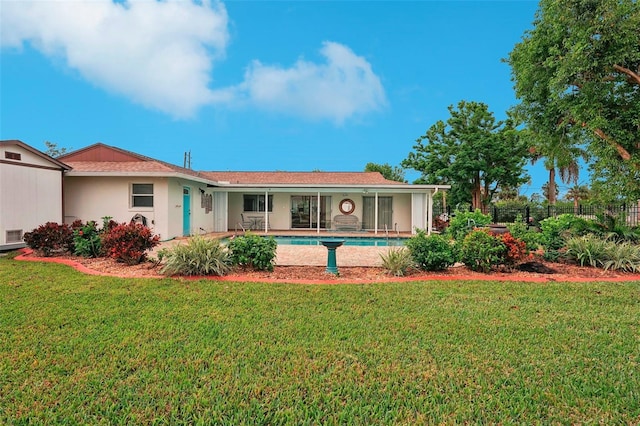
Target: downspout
x=62, y=193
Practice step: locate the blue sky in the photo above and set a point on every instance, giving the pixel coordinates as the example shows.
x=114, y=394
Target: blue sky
x=253, y=85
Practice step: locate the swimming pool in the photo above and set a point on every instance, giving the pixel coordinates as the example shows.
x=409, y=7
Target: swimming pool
x=348, y=241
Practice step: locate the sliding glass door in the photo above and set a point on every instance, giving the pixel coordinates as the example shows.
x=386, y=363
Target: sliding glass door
x=385, y=213
x=304, y=211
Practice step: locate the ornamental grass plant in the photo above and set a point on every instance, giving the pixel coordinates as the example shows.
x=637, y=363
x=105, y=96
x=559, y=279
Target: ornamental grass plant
x=200, y=256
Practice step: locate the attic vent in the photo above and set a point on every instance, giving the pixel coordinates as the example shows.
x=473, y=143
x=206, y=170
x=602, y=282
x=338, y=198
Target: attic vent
x=12, y=155
x=14, y=236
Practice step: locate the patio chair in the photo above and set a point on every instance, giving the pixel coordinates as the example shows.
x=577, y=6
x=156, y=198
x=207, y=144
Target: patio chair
x=246, y=223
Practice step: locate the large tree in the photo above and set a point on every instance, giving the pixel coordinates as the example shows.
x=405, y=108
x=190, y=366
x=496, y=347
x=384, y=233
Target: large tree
x=577, y=72
x=388, y=171
x=472, y=152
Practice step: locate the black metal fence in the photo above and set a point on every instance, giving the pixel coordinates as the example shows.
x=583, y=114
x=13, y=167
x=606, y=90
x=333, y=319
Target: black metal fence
x=535, y=213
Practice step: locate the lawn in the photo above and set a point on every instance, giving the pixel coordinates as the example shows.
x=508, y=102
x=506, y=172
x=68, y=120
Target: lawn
x=79, y=349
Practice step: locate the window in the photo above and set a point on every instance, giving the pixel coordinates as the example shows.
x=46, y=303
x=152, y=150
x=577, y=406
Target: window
x=12, y=155
x=14, y=236
x=142, y=195
x=255, y=203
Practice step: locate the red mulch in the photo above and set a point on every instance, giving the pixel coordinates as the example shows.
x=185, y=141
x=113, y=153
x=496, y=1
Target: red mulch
x=317, y=274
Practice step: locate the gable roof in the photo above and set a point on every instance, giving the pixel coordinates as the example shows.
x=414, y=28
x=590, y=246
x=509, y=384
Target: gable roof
x=101, y=158
x=56, y=162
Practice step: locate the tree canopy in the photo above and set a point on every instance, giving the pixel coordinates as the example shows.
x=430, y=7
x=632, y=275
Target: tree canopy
x=389, y=172
x=472, y=152
x=577, y=73
x=53, y=150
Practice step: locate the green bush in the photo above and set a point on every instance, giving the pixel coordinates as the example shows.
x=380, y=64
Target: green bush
x=463, y=222
x=49, y=238
x=200, y=256
x=613, y=228
x=86, y=240
x=481, y=251
x=129, y=243
x=431, y=252
x=253, y=251
x=556, y=230
x=397, y=261
x=521, y=231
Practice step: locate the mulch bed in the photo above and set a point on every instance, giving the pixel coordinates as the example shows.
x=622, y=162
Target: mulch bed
x=546, y=272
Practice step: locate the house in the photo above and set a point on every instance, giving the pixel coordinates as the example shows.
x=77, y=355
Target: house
x=30, y=191
x=102, y=180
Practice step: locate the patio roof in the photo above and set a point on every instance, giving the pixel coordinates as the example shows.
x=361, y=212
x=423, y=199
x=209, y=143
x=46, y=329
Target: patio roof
x=299, y=178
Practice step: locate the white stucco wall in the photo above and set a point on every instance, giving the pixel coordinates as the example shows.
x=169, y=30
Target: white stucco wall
x=29, y=196
x=91, y=198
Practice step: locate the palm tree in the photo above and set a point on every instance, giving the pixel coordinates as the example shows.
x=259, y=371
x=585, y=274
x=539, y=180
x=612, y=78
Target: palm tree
x=576, y=194
x=562, y=154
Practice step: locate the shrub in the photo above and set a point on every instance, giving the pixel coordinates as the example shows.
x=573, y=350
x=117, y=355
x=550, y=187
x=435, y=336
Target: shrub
x=431, y=252
x=397, y=261
x=200, y=256
x=86, y=240
x=556, y=230
x=461, y=223
x=128, y=243
x=613, y=228
x=515, y=249
x=521, y=231
x=481, y=251
x=49, y=238
x=253, y=251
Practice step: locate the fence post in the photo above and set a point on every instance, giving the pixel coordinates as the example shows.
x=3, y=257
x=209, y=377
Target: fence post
x=495, y=214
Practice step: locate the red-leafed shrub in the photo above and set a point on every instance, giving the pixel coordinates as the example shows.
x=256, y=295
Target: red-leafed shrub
x=129, y=243
x=516, y=249
x=49, y=238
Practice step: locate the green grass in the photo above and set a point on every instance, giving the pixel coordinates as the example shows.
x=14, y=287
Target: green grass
x=77, y=349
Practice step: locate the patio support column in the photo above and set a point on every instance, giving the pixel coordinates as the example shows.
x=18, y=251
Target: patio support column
x=375, y=215
x=318, y=214
x=429, y=211
x=266, y=211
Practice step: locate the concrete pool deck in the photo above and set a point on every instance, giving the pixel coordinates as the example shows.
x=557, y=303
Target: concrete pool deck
x=302, y=255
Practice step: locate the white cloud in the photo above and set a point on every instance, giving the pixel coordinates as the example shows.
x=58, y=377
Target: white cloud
x=339, y=89
x=160, y=54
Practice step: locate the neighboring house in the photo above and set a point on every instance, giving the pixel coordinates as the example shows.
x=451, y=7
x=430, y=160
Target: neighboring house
x=30, y=191
x=109, y=181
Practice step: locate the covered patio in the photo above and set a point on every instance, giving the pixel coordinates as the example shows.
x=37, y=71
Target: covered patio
x=356, y=202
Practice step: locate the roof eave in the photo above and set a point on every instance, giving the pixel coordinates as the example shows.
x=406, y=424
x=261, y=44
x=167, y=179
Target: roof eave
x=77, y=173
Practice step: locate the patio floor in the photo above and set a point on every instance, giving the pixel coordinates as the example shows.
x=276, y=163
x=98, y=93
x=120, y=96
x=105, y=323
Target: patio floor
x=296, y=255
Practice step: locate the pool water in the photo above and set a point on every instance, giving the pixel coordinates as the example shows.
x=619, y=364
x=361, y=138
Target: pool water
x=348, y=241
